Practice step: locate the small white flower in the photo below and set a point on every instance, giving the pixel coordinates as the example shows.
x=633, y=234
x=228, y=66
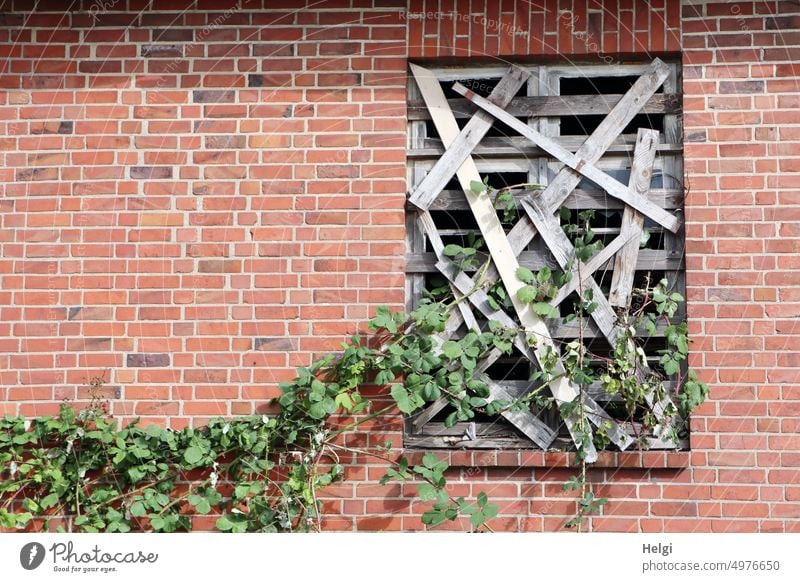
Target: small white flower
x=213, y=478
x=13, y=468
x=265, y=419
x=27, y=425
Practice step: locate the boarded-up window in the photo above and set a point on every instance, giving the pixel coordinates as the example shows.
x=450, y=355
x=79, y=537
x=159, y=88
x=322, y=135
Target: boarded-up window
x=567, y=104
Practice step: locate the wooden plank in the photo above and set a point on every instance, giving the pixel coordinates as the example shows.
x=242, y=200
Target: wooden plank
x=577, y=200
x=595, y=145
x=616, y=434
x=553, y=105
x=632, y=221
x=435, y=407
x=447, y=442
x=498, y=146
x=527, y=422
x=648, y=260
x=459, y=143
x=415, y=243
x=480, y=300
x=577, y=163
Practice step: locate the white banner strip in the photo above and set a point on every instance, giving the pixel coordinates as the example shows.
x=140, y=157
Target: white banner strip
x=390, y=557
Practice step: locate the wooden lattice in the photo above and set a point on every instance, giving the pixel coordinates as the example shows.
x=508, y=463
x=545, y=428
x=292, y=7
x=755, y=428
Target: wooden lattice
x=507, y=247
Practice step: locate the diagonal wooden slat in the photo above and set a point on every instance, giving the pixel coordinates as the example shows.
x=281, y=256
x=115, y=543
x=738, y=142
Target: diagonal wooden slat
x=559, y=189
x=581, y=273
x=458, y=146
x=577, y=163
x=492, y=230
x=632, y=222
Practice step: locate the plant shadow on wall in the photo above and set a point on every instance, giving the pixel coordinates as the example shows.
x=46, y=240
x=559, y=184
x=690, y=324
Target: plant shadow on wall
x=79, y=471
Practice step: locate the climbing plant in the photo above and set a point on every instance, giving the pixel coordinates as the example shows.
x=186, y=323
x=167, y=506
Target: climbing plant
x=81, y=471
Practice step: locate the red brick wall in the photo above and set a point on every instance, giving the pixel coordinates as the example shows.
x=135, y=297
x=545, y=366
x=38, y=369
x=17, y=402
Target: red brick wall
x=198, y=199
x=549, y=28
x=742, y=152
x=194, y=202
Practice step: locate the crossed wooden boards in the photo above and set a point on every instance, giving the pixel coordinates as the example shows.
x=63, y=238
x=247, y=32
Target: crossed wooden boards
x=539, y=218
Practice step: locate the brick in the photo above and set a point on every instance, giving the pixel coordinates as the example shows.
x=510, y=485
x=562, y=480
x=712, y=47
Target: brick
x=151, y=173
x=162, y=51
x=147, y=360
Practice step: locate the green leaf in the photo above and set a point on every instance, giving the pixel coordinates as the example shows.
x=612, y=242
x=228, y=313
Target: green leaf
x=544, y=309
x=527, y=294
x=477, y=402
x=433, y=517
x=525, y=275
x=452, y=250
x=477, y=519
x=344, y=401
x=153, y=431
x=193, y=455
x=490, y=510
x=135, y=474
x=451, y=349
x=317, y=411
x=49, y=501
x=477, y=187
x=544, y=275
x=426, y=492
x=138, y=509
x=400, y=395
x=671, y=367
x=224, y=523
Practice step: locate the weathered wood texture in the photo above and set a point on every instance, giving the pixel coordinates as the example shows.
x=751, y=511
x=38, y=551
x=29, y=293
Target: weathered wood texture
x=632, y=221
x=552, y=105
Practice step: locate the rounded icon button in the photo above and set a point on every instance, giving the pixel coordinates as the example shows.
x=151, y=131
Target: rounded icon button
x=31, y=555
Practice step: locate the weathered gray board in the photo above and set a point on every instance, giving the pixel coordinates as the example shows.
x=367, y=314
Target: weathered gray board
x=632, y=222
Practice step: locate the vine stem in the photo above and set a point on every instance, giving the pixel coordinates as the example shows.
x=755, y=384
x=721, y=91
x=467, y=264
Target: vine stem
x=580, y=388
